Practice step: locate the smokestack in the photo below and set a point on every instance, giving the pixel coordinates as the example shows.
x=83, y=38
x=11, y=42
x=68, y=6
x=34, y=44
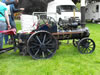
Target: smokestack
x=83, y=22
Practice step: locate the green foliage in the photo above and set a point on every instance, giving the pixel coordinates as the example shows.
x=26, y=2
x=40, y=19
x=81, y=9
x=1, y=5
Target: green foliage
x=78, y=5
x=18, y=25
x=66, y=61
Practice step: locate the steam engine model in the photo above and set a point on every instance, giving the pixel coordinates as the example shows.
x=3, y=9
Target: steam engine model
x=40, y=39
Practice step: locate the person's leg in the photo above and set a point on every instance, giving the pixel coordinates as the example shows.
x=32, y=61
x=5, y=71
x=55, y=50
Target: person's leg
x=6, y=39
x=13, y=25
x=3, y=26
x=1, y=40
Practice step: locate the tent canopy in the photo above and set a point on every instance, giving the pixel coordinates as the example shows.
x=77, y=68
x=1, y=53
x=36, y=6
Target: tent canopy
x=33, y=5
x=38, y=5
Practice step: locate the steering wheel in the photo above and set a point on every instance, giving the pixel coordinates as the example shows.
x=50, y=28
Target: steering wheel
x=51, y=21
x=47, y=20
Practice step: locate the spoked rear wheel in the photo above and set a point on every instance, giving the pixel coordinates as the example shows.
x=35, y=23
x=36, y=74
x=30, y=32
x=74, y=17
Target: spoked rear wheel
x=42, y=45
x=86, y=46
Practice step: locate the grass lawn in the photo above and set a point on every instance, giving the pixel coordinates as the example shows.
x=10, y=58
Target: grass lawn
x=66, y=61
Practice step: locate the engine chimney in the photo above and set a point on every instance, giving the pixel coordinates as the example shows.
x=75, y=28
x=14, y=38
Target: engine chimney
x=83, y=22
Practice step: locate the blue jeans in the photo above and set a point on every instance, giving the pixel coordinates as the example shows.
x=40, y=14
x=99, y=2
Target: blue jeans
x=3, y=26
x=6, y=38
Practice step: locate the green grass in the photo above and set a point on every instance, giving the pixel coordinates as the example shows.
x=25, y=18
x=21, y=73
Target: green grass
x=66, y=61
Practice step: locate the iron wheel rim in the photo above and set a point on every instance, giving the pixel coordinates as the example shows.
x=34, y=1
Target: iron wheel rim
x=86, y=46
x=45, y=45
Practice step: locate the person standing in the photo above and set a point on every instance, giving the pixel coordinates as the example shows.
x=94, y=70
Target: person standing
x=3, y=19
x=11, y=12
x=8, y=11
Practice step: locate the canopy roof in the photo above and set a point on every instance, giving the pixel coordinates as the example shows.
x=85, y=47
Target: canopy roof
x=33, y=5
x=38, y=5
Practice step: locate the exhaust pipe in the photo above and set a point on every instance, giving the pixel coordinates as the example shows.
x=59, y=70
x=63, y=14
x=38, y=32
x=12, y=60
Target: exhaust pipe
x=83, y=21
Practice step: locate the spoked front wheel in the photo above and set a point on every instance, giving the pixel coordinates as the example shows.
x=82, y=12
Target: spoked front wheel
x=86, y=46
x=41, y=45
x=75, y=42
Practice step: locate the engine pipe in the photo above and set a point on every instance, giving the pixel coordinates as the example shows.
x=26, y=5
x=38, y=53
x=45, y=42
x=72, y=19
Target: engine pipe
x=83, y=21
